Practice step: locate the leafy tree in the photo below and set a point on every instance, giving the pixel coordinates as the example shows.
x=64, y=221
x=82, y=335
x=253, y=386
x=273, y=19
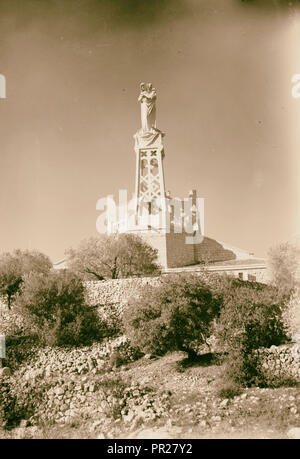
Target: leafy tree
x=112, y=256
x=175, y=315
x=13, y=267
x=284, y=265
x=291, y=314
x=251, y=318
x=54, y=308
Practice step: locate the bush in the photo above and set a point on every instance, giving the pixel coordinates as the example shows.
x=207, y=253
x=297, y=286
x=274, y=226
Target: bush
x=229, y=390
x=124, y=354
x=111, y=314
x=54, y=308
x=283, y=265
x=19, y=349
x=251, y=318
x=8, y=402
x=291, y=314
x=15, y=404
x=275, y=382
x=14, y=266
x=174, y=315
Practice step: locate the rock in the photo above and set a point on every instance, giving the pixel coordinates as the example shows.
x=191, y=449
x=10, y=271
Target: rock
x=130, y=416
x=95, y=425
x=5, y=371
x=92, y=388
x=104, y=405
x=224, y=403
x=294, y=433
x=23, y=423
x=73, y=413
x=59, y=391
x=153, y=434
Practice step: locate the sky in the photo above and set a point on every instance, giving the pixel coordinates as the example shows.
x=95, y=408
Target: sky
x=222, y=70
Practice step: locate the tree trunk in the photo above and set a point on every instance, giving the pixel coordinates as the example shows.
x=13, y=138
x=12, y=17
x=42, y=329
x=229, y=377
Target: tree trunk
x=9, y=301
x=114, y=273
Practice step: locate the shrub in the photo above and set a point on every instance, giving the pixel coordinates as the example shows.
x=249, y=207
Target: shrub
x=229, y=389
x=7, y=404
x=111, y=314
x=14, y=403
x=275, y=382
x=251, y=318
x=291, y=314
x=19, y=349
x=123, y=354
x=283, y=265
x=54, y=308
x=14, y=266
x=171, y=316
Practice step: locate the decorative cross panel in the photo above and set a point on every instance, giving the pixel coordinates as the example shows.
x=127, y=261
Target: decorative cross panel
x=151, y=181
x=150, y=177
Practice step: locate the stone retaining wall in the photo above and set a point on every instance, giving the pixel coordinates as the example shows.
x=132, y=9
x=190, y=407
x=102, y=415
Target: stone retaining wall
x=119, y=291
x=110, y=297
x=116, y=291
x=281, y=361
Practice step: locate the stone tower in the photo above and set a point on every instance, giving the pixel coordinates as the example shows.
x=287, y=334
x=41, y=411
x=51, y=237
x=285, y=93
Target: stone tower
x=159, y=219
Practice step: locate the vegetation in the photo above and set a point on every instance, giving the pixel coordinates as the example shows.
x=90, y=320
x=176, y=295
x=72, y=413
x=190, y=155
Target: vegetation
x=291, y=314
x=251, y=318
x=112, y=257
x=14, y=266
x=179, y=313
x=284, y=265
x=8, y=403
x=124, y=354
x=176, y=315
x=54, y=308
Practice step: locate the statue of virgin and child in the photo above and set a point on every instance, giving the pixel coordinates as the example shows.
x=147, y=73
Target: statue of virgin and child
x=147, y=98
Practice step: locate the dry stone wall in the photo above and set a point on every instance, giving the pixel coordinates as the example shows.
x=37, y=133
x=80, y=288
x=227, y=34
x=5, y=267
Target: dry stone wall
x=110, y=297
x=281, y=361
x=116, y=290
x=65, y=385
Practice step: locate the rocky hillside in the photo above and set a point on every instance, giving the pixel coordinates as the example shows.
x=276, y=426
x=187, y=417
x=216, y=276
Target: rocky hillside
x=82, y=394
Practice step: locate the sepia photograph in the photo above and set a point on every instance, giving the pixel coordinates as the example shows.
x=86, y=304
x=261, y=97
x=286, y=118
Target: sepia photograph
x=149, y=222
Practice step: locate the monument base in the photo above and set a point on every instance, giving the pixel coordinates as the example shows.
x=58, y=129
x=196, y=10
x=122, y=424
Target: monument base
x=174, y=252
